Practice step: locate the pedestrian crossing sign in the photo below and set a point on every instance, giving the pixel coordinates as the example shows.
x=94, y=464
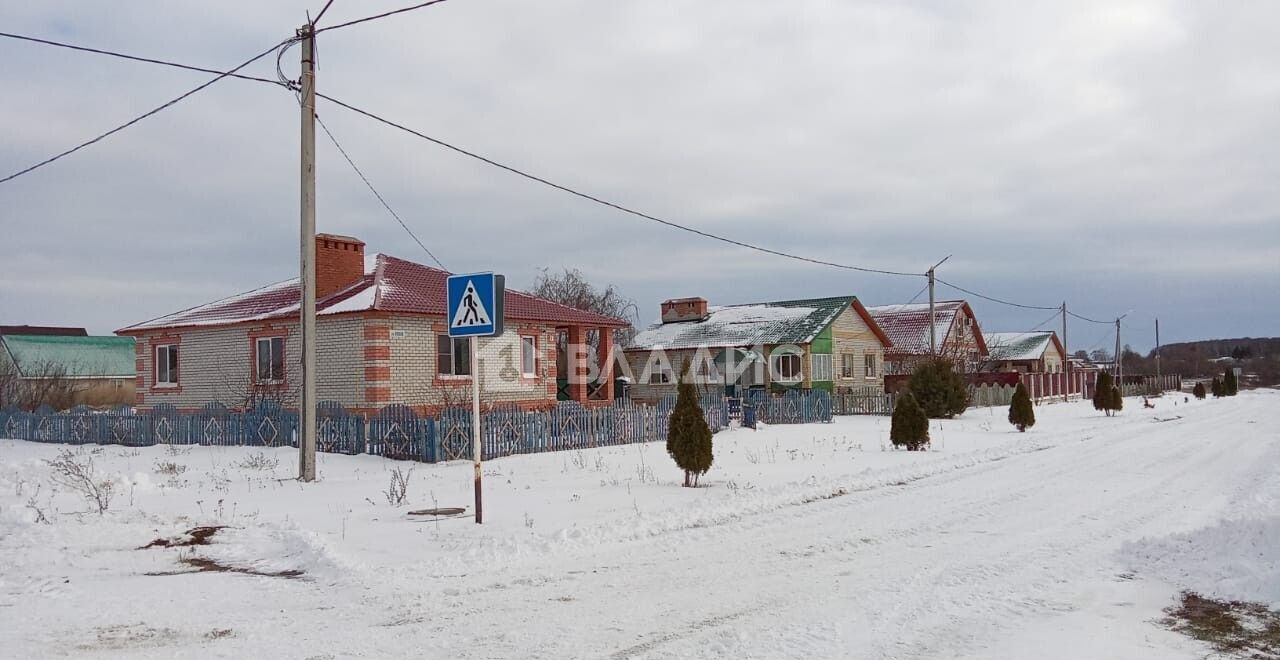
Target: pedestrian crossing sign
x=475, y=304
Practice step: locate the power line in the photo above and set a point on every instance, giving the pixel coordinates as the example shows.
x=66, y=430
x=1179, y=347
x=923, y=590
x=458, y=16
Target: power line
x=136, y=58
x=322, y=11
x=139, y=118
x=1085, y=318
x=376, y=16
x=376, y=194
x=994, y=300
x=604, y=202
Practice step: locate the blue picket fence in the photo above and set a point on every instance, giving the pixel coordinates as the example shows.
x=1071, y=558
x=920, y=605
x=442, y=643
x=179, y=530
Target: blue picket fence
x=395, y=432
x=792, y=407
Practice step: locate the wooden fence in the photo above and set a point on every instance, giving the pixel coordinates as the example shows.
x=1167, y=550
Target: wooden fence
x=395, y=432
x=862, y=401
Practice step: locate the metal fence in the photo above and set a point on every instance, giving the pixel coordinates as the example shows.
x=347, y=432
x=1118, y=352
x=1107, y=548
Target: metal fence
x=792, y=407
x=395, y=431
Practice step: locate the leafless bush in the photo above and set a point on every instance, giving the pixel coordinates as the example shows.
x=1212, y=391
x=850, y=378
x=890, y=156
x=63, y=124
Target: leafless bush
x=170, y=468
x=37, y=384
x=76, y=471
x=259, y=461
x=34, y=505
x=398, y=490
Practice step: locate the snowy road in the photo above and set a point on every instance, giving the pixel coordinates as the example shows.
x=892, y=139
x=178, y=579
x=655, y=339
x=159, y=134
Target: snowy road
x=1010, y=556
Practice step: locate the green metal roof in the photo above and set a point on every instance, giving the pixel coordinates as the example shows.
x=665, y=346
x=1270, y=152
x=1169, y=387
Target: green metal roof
x=779, y=322
x=81, y=357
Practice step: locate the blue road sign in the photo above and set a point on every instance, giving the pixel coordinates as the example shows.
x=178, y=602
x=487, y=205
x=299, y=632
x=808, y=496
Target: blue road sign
x=475, y=304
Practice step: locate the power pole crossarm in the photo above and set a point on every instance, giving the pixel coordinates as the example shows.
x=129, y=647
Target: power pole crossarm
x=307, y=277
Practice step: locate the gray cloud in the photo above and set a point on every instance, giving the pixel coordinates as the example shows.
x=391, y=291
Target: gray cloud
x=1118, y=155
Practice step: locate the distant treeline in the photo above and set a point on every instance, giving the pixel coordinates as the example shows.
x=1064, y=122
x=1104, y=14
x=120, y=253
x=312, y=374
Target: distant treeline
x=1195, y=358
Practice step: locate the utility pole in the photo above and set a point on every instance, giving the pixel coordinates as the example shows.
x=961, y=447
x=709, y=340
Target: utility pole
x=1066, y=357
x=1118, y=370
x=933, y=315
x=307, y=277
x=1158, y=379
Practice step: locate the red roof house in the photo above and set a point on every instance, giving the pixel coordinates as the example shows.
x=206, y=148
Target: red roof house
x=381, y=339
x=956, y=334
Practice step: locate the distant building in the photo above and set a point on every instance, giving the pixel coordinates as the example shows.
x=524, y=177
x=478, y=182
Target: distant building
x=957, y=335
x=65, y=369
x=1024, y=352
x=42, y=330
x=819, y=343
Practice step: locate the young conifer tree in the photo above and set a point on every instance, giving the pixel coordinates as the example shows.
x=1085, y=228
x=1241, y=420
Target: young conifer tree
x=1216, y=387
x=1021, y=413
x=1117, y=400
x=1198, y=391
x=1230, y=386
x=688, y=435
x=909, y=426
x=1102, y=393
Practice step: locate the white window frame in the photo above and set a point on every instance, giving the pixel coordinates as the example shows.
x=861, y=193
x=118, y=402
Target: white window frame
x=848, y=366
x=272, y=377
x=820, y=366
x=776, y=364
x=660, y=375
x=528, y=356
x=168, y=377
x=455, y=345
x=869, y=365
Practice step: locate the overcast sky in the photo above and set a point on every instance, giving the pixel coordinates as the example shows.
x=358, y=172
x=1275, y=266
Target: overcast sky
x=1117, y=155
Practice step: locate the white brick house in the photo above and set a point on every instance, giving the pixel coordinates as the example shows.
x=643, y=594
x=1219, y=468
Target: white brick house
x=381, y=339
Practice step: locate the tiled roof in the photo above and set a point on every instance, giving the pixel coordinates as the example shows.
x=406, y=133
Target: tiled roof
x=79, y=357
x=389, y=285
x=908, y=325
x=780, y=322
x=46, y=330
x=1018, y=345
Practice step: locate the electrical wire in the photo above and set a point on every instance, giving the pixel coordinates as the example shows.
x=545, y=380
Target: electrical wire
x=377, y=194
x=994, y=300
x=136, y=58
x=603, y=202
x=322, y=11
x=1085, y=318
x=139, y=118
x=376, y=16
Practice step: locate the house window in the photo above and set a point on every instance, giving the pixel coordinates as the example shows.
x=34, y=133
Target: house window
x=660, y=375
x=786, y=367
x=846, y=365
x=453, y=355
x=270, y=362
x=166, y=365
x=869, y=364
x=820, y=365
x=529, y=356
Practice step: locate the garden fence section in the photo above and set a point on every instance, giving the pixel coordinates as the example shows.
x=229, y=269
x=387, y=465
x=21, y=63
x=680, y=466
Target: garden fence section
x=395, y=431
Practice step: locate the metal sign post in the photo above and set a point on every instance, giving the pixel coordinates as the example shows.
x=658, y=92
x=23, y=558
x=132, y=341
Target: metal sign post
x=475, y=303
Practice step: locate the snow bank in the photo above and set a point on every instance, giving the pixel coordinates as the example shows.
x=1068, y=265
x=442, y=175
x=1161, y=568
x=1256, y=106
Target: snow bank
x=1234, y=560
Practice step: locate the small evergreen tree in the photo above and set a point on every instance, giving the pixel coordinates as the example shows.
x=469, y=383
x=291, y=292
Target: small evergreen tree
x=1021, y=414
x=910, y=426
x=1216, y=387
x=1198, y=391
x=938, y=389
x=1230, y=386
x=1102, y=393
x=688, y=436
x=1117, y=400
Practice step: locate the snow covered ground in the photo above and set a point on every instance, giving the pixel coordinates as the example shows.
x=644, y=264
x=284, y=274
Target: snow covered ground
x=807, y=541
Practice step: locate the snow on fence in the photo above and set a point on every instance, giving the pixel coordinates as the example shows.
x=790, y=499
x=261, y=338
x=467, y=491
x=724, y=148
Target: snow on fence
x=396, y=431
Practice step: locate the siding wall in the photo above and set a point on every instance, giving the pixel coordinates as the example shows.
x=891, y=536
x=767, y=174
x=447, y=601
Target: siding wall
x=851, y=334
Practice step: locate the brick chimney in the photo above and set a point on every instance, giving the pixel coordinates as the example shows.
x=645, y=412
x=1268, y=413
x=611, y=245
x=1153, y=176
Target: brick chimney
x=339, y=263
x=679, y=310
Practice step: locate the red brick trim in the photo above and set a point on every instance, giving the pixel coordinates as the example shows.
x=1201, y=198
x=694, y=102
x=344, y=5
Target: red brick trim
x=377, y=374
x=377, y=352
x=377, y=332
x=377, y=395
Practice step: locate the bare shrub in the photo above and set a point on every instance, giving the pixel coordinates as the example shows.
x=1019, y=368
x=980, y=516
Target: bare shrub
x=398, y=490
x=170, y=468
x=259, y=461
x=76, y=471
x=34, y=505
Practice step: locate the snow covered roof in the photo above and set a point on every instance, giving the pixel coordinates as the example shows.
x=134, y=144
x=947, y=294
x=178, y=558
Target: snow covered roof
x=908, y=325
x=1015, y=346
x=780, y=322
x=74, y=357
x=389, y=284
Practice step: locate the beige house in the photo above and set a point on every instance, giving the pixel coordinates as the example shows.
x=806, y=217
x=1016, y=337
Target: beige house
x=827, y=344
x=955, y=334
x=1025, y=352
x=381, y=339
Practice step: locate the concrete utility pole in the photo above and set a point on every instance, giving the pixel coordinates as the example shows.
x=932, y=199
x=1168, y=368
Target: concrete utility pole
x=307, y=277
x=1066, y=356
x=1158, y=379
x=1118, y=370
x=933, y=315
